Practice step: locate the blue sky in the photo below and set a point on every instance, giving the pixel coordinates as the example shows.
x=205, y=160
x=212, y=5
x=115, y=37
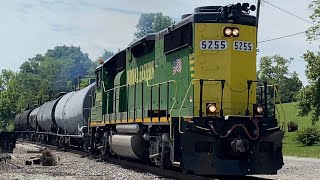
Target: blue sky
x=31, y=27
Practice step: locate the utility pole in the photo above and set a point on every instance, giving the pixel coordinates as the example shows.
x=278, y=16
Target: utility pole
x=257, y=19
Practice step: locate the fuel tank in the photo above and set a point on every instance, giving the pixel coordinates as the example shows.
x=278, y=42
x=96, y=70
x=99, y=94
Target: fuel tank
x=128, y=128
x=129, y=145
x=45, y=115
x=73, y=110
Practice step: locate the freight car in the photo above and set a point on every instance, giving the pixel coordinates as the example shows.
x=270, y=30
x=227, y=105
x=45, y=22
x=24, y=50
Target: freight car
x=185, y=96
x=59, y=121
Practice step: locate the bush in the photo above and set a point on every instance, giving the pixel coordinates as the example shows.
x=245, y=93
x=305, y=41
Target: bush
x=309, y=136
x=47, y=158
x=292, y=126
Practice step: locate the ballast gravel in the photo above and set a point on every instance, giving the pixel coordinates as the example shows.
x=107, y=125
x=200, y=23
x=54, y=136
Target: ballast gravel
x=298, y=168
x=69, y=167
x=72, y=166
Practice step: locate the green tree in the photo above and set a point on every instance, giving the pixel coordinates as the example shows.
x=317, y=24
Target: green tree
x=106, y=54
x=8, y=98
x=304, y=97
x=5, y=77
x=309, y=97
x=275, y=70
x=314, y=31
x=290, y=87
x=53, y=71
x=152, y=23
x=73, y=61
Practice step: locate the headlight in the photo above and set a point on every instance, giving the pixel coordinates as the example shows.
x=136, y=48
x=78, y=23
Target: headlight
x=231, y=32
x=211, y=108
x=235, y=32
x=259, y=109
x=228, y=31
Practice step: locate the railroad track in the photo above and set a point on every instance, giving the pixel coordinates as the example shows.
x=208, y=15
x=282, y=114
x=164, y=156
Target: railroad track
x=139, y=166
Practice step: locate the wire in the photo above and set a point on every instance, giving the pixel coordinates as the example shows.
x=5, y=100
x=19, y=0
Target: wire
x=282, y=37
x=290, y=35
x=289, y=12
x=235, y=90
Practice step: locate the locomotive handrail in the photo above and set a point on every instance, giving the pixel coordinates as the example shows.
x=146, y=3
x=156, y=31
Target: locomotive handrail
x=152, y=85
x=131, y=84
x=174, y=102
x=274, y=101
x=184, y=99
x=284, y=115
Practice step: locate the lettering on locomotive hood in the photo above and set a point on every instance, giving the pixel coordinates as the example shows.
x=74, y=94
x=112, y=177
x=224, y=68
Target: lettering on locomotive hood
x=99, y=98
x=143, y=72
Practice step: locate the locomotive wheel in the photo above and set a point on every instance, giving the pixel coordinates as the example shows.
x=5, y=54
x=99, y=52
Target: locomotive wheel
x=105, y=153
x=66, y=142
x=185, y=170
x=165, y=158
x=60, y=143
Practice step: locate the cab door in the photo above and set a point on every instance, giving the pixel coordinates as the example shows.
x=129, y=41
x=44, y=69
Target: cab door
x=96, y=110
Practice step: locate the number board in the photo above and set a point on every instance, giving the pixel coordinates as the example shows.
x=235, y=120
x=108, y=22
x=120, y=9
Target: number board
x=242, y=46
x=213, y=45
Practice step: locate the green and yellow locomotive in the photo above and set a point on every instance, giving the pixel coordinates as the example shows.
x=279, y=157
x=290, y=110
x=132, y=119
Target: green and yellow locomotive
x=186, y=96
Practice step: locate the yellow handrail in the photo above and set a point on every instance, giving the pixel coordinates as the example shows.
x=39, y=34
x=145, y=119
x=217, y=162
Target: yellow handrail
x=184, y=99
x=274, y=101
x=284, y=115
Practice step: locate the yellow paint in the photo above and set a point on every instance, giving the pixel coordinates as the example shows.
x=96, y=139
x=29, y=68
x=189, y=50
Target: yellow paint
x=96, y=123
x=236, y=67
x=138, y=120
x=143, y=72
x=118, y=121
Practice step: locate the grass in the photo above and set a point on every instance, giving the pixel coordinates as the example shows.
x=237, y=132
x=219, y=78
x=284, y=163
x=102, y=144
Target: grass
x=291, y=114
x=290, y=146
x=293, y=148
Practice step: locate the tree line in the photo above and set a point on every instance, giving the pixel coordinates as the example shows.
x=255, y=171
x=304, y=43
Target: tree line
x=52, y=72
x=55, y=71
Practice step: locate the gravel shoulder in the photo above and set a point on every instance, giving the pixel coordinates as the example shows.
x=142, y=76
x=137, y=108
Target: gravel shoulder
x=72, y=166
x=69, y=167
x=298, y=168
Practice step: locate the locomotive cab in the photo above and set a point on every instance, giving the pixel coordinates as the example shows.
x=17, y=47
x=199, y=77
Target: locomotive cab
x=232, y=130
